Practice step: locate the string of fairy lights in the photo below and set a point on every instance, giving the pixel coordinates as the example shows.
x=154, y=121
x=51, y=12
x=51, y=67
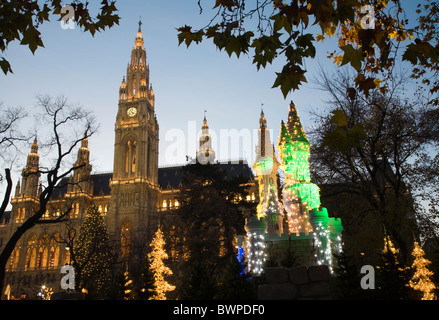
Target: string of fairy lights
x=300, y=197
x=256, y=253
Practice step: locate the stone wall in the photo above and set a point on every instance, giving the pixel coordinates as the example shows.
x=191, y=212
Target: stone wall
x=301, y=247
x=296, y=283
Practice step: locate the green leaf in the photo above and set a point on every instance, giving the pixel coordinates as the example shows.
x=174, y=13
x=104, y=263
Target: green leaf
x=352, y=56
x=339, y=118
x=289, y=79
x=6, y=67
x=233, y=46
x=186, y=35
x=31, y=37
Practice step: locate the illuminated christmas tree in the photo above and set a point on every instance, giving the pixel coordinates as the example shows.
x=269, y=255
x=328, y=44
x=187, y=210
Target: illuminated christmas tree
x=93, y=253
x=158, y=268
x=392, y=275
x=421, y=280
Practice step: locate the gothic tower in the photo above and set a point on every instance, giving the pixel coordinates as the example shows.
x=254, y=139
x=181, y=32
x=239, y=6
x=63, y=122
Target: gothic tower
x=27, y=193
x=81, y=177
x=266, y=166
x=134, y=185
x=30, y=174
x=205, y=154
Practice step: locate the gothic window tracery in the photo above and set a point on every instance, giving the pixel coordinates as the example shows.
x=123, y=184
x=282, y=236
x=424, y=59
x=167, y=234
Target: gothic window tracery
x=125, y=239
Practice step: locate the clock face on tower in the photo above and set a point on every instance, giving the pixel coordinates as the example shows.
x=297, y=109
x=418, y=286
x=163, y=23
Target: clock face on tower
x=131, y=112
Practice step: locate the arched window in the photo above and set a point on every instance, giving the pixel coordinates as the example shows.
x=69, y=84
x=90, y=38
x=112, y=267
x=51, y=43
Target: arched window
x=54, y=251
x=31, y=253
x=77, y=209
x=21, y=212
x=134, y=85
x=130, y=156
x=53, y=256
x=133, y=157
x=149, y=160
x=127, y=157
x=14, y=258
x=125, y=239
x=67, y=259
x=42, y=251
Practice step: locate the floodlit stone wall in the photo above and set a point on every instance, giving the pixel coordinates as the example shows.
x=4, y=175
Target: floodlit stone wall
x=296, y=283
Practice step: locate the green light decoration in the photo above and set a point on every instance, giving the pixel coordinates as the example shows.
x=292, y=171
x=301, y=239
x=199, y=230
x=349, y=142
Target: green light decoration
x=300, y=195
x=322, y=239
x=264, y=166
x=301, y=198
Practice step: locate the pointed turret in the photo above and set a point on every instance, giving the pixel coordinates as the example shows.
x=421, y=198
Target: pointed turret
x=205, y=154
x=123, y=90
x=266, y=166
x=83, y=152
x=81, y=177
x=17, y=189
x=139, y=37
x=30, y=173
x=137, y=79
x=262, y=120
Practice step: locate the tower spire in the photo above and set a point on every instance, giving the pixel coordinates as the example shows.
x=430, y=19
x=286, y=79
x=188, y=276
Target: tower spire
x=30, y=174
x=205, y=154
x=136, y=84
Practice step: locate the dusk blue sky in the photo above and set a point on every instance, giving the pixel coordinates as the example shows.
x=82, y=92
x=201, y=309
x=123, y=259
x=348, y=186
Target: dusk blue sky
x=186, y=81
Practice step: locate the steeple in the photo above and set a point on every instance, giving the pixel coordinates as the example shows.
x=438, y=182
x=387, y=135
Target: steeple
x=266, y=166
x=205, y=154
x=264, y=147
x=84, y=151
x=81, y=177
x=262, y=120
x=139, y=38
x=134, y=184
x=136, y=85
x=30, y=174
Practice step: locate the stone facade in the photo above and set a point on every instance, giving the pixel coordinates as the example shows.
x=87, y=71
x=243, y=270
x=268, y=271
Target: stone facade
x=131, y=198
x=296, y=283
